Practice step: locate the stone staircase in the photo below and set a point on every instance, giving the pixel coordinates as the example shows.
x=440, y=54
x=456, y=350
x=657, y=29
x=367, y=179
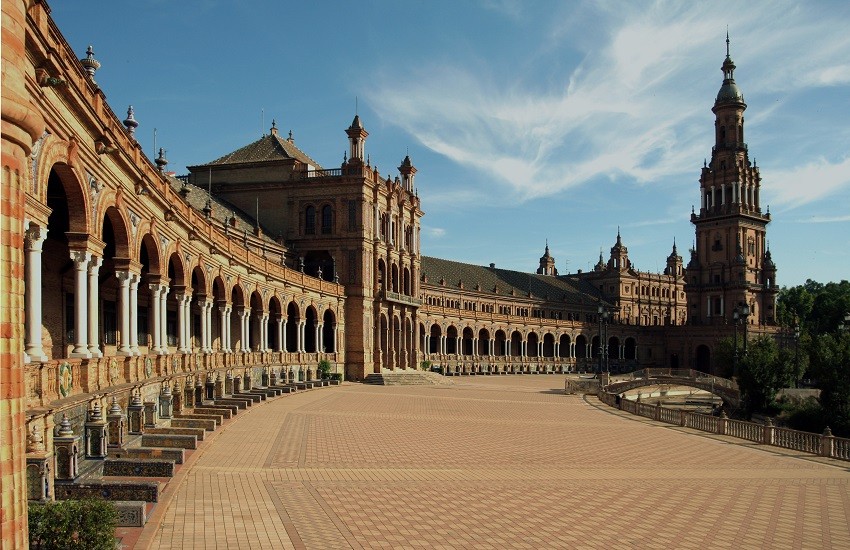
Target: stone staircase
x=405, y=378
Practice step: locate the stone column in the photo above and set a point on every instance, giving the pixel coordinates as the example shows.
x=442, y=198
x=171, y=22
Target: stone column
x=207, y=320
x=163, y=319
x=205, y=329
x=280, y=333
x=156, y=343
x=302, y=325
x=124, y=311
x=224, y=321
x=94, y=307
x=228, y=311
x=244, y=317
x=33, y=242
x=316, y=338
x=81, y=260
x=134, y=314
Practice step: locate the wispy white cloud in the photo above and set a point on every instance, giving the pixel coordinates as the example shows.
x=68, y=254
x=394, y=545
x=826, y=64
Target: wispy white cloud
x=434, y=232
x=825, y=219
x=628, y=110
x=808, y=183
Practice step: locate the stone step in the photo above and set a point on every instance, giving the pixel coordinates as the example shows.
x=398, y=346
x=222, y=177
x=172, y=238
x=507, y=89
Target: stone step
x=170, y=441
x=147, y=491
x=239, y=403
x=256, y=398
x=174, y=430
x=225, y=412
x=217, y=418
x=208, y=425
x=175, y=455
x=139, y=467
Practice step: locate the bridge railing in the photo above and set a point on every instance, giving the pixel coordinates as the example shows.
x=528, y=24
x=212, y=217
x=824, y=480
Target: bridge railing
x=825, y=444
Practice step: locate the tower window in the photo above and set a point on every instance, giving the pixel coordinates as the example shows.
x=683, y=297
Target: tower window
x=327, y=219
x=310, y=220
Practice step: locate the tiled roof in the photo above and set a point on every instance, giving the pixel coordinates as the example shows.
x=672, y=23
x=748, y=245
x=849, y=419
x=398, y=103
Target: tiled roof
x=221, y=209
x=269, y=148
x=566, y=289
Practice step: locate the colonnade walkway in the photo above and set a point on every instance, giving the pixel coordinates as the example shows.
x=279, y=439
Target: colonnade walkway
x=489, y=462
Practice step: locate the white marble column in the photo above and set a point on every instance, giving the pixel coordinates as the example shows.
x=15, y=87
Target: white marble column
x=124, y=311
x=94, y=307
x=279, y=324
x=34, y=240
x=205, y=327
x=134, y=314
x=475, y=347
x=302, y=326
x=155, y=318
x=316, y=337
x=182, y=339
x=223, y=321
x=320, y=337
x=81, y=261
x=244, y=343
x=283, y=333
x=163, y=319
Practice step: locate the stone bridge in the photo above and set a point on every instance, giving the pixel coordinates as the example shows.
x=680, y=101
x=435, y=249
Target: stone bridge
x=722, y=387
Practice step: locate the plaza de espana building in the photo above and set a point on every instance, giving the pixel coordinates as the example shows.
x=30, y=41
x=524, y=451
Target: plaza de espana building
x=120, y=280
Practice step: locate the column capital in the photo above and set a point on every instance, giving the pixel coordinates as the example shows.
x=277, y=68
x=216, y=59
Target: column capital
x=80, y=258
x=34, y=238
x=94, y=264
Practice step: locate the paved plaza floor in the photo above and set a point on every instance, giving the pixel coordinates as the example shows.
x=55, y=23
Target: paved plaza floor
x=488, y=462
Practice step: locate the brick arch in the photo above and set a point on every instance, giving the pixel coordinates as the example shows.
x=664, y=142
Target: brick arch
x=120, y=229
x=201, y=287
x=238, y=295
x=175, y=262
x=79, y=218
x=154, y=258
x=60, y=156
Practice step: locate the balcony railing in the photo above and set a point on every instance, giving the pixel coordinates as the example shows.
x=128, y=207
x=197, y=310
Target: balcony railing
x=402, y=298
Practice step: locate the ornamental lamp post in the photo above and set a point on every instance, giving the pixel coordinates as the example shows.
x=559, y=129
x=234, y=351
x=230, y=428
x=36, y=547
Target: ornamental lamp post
x=600, y=310
x=745, y=313
x=736, y=316
x=796, y=327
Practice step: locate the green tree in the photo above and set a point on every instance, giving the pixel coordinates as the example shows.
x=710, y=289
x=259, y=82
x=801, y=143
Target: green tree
x=830, y=356
x=87, y=524
x=763, y=371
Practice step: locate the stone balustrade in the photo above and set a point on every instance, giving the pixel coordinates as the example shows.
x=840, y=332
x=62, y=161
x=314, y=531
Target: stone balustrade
x=825, y=444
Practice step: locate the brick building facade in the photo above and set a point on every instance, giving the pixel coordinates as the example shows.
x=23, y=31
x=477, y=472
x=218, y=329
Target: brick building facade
x=118, y=278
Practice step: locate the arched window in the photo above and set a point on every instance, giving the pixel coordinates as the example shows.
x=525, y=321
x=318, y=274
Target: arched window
x=327, y=219
x=310, y=221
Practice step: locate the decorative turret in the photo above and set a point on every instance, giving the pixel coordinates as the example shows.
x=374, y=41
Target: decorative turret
x=674, y=262
x=161, y=162
x=407, y=174
x=547, y=263
x=600, y=265
x=619, y=259
x=357, y=140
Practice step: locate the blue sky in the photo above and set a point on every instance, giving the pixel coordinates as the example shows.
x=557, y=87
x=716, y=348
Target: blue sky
x=527, y=120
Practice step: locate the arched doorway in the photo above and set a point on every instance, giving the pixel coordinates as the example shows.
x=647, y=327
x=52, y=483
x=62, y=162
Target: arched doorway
x=703, y=358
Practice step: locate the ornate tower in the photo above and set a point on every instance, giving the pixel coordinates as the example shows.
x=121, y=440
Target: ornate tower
x=729, y=266
x=547, y=263
x=619, y=258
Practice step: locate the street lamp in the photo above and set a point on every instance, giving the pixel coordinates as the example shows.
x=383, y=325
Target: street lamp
x=745, y=313
x=739, y=315
x=603, y=335
x=796, y=328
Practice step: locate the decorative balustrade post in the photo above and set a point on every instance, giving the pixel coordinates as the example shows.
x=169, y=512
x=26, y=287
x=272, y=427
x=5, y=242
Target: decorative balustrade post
x=264, y=379
x=246, y=380
x=682, y=418
x=151, y=416
x=228, y=384
x=768, y=433
x=827, y=443
x=97, y=436
x=135, y=415
x=722, y=421
x=115, y=419
x=66, y=446
x=199, y=391
x=39, y=471
x=219, y=386
x=209, y=387
x=273, y=377
x=166, y=401
x=188, y=394
x=656, y=415
x=177, y=403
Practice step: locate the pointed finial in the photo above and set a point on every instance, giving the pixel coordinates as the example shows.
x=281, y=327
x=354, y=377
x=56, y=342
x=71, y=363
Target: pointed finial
x=727, y=40
x=161, y=162
x=290, y=137
x=130, y=122
x=90, y=64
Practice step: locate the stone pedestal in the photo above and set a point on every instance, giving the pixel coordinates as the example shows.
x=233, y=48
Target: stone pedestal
x=246, y=381
x=97, y=436
x=209, y=388
x=188, y=394
x=199, y=391
x=66, y=448
x=136, y=415
x=228, y=383
x=264, y=379
x=166, y=401
x=116, y=422
x=237, y=384
x=273, y=377
x=219, y=386
x=39, y=470
x=177, y=402
x=150, y=414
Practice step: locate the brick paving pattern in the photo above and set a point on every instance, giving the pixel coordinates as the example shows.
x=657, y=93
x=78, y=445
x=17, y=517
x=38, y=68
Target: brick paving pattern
x=489, y=462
